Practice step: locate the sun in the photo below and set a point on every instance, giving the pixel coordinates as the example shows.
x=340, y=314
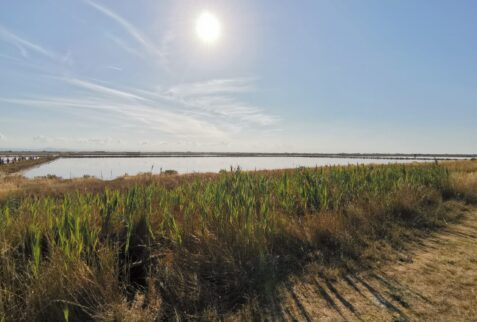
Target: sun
x=208, y=28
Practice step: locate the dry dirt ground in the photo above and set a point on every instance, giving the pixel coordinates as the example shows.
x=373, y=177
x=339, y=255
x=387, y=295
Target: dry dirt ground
x=434, y=280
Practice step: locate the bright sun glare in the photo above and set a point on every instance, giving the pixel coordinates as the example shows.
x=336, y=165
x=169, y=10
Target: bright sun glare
x=208, y=28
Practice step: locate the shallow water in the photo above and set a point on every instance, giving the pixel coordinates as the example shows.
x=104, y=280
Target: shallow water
x=111, y=168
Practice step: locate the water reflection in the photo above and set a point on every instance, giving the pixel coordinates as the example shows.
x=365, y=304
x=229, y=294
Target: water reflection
x=111, y=168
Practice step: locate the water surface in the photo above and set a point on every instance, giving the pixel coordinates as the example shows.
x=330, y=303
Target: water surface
x=111, y=168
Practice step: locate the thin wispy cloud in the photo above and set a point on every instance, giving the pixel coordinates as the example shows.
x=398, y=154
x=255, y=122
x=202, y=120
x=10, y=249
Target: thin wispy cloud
x=24, y=45
x=230, y=107
x=135, y=33
x=101, y=89
x=209, y=109
x=125, y=46
x=67, y=58
x=174, y=123
x=116, y=68
x=219, y=98
x=211, y=100
x=2, y=137
x=11, y=58
x=132, y=114
x=58, y=102
x=215, y=86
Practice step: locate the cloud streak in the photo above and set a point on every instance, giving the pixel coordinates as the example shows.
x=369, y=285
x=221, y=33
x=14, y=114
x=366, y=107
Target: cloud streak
x=101, y=89
x=137, y=35
x=140, y=115
x=24, y=45
x=211, y=87
x=115, y=68
x=124, y=46
x=213, y=100
x=230, y=107
x=58, y=102
x=207, y=109
x=218, y=98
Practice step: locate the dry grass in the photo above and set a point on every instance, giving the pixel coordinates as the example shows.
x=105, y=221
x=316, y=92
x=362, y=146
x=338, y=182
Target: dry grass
x=460, y=166
x=430, y=279
x=464, y=184
x=463, y=178
x=201, y=246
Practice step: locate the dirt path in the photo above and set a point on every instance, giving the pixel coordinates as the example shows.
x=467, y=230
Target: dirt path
x=437, y=281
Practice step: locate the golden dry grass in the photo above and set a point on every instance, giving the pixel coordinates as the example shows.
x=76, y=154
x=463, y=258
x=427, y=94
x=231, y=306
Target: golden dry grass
x=465, y=185
x=430, y=279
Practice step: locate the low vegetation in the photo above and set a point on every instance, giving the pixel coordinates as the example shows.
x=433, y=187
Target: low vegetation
x=199, y=247
x=18, y=164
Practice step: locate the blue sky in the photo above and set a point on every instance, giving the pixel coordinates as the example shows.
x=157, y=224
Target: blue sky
x=285, y=76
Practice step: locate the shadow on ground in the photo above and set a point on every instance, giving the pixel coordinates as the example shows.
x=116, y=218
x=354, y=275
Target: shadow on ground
x=402, y=291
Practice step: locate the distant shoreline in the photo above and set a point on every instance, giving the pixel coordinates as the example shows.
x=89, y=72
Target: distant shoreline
x=126, y=154
x=20, y=166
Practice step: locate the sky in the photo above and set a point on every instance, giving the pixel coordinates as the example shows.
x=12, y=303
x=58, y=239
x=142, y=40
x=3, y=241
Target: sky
x=284, y=76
